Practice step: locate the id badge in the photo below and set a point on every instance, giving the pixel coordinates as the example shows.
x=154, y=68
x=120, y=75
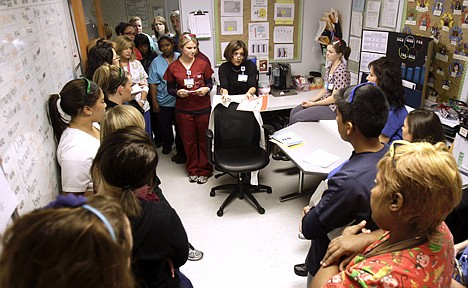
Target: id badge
x=330, y=86
x=242, y=78
x=189, y=82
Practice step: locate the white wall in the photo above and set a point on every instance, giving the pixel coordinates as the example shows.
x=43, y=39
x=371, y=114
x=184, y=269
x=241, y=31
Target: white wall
x=313, y=11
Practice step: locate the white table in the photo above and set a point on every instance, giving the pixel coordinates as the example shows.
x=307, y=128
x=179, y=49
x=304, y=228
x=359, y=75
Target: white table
x=274, y=103
x=317, y=135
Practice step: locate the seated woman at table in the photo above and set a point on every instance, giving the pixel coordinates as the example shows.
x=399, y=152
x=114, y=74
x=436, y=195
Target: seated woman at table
x=238, y=75
x=321, y=106
x=416, y=187
x=386, y=74
x=423, y=126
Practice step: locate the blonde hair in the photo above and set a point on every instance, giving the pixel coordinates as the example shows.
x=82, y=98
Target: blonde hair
x=110, y=77
x=123, y=42
x=120, y=116
x=134, y=19
x=68, y=247
x=186, y=38
x=427, y=177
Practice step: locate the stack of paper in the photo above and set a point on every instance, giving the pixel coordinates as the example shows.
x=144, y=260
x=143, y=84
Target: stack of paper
x=321, y=158
x=288, y=138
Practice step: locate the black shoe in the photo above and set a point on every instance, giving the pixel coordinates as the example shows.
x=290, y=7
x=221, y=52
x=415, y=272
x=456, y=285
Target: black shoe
x=300, y=270
x=157, y=143
x=166, y=150
x=179, y=159
x=280, y=156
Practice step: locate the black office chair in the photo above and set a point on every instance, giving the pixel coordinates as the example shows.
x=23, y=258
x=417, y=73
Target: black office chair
x=237, y=150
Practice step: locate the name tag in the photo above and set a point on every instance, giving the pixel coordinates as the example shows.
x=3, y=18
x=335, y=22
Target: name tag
x=189, y=82
x=242, y=78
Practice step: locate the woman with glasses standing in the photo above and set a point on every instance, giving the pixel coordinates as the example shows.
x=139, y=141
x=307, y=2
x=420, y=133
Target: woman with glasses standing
x=101, y=53
x=139, y=77
x=237, y=76
x=74, y=113
x=189, y=79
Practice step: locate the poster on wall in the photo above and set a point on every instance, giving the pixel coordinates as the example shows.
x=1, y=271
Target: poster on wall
x=137, y=8
x=259, y=10
x=232, y=8
x=232, y=26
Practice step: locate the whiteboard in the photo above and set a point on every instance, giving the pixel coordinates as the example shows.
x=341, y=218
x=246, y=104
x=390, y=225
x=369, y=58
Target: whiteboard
x=37, y=51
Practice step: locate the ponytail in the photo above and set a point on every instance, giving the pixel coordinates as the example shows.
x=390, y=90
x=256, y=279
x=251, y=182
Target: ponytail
x=57, y=121
x=130, y=203
x=340, y=47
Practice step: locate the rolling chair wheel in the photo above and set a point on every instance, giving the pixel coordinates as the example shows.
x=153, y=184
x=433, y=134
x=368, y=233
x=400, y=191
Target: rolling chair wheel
x=220, y=212
x=212, y=193
x=269, y=191
x=260, y=210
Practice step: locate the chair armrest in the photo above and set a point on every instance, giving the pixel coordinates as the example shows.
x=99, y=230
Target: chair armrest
x=269, y=130
x=209, y=146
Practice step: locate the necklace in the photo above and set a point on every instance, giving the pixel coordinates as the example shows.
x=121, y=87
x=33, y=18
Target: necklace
x=171, y=59
x=380, y=249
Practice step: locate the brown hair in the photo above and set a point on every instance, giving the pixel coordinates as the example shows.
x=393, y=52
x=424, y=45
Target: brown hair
x=126, y=161
x=425, y=126
x=68, y=247
x=74, y=96
x=122, y=43
x=232, y=47
x=340, y=47
x=427, y=177
x=163, y=21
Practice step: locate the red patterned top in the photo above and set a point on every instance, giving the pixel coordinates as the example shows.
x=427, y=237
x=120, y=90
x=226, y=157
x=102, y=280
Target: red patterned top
x=341, y=78
x=428, y=265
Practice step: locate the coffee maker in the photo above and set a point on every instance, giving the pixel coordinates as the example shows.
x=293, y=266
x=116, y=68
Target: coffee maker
x=281, y=79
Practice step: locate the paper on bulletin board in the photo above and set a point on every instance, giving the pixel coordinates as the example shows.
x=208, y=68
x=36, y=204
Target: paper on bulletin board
x=389, y=18
x=259, y=48
x=232, y=26
x=283, y=34
x=354, y=44
x=356, y=23
x=358, y=5
x=200, y=24
x=259, y=31
x=372, y=14
x=375, y=41
x=223, y=47
x=366, y=58
x=283, y=51
x=259, y=10
x=284, y=13
x=8, y=202
x=232, y=8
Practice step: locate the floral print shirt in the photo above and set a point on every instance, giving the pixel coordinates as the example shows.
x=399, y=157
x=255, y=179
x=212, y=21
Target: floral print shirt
x=341, y=78
x=428, y=265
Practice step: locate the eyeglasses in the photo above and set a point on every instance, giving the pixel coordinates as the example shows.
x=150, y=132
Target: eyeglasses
x=351, y=96
x=393, y=148
x=238, y=55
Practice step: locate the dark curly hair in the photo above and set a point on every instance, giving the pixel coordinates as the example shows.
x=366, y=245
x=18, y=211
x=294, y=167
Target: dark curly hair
x=388, y=75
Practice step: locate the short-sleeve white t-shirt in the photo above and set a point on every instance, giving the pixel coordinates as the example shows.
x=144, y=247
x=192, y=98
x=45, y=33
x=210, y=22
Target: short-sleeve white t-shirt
x=75, y=154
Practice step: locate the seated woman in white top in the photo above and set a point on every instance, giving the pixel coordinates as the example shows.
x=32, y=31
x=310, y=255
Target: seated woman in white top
x=73, y=113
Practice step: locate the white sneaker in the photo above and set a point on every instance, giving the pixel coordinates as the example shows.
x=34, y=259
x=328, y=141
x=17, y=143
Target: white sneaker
x=193, y=178
x=202, y=179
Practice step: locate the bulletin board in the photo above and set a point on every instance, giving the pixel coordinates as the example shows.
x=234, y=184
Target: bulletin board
x=277, y=15
x=38, y=55
x=446, y=22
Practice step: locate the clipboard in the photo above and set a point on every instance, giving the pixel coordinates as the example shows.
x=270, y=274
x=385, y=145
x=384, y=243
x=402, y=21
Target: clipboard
x=200, y=24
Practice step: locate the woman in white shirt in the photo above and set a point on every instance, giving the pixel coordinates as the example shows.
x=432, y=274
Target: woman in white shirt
x=73, y=114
